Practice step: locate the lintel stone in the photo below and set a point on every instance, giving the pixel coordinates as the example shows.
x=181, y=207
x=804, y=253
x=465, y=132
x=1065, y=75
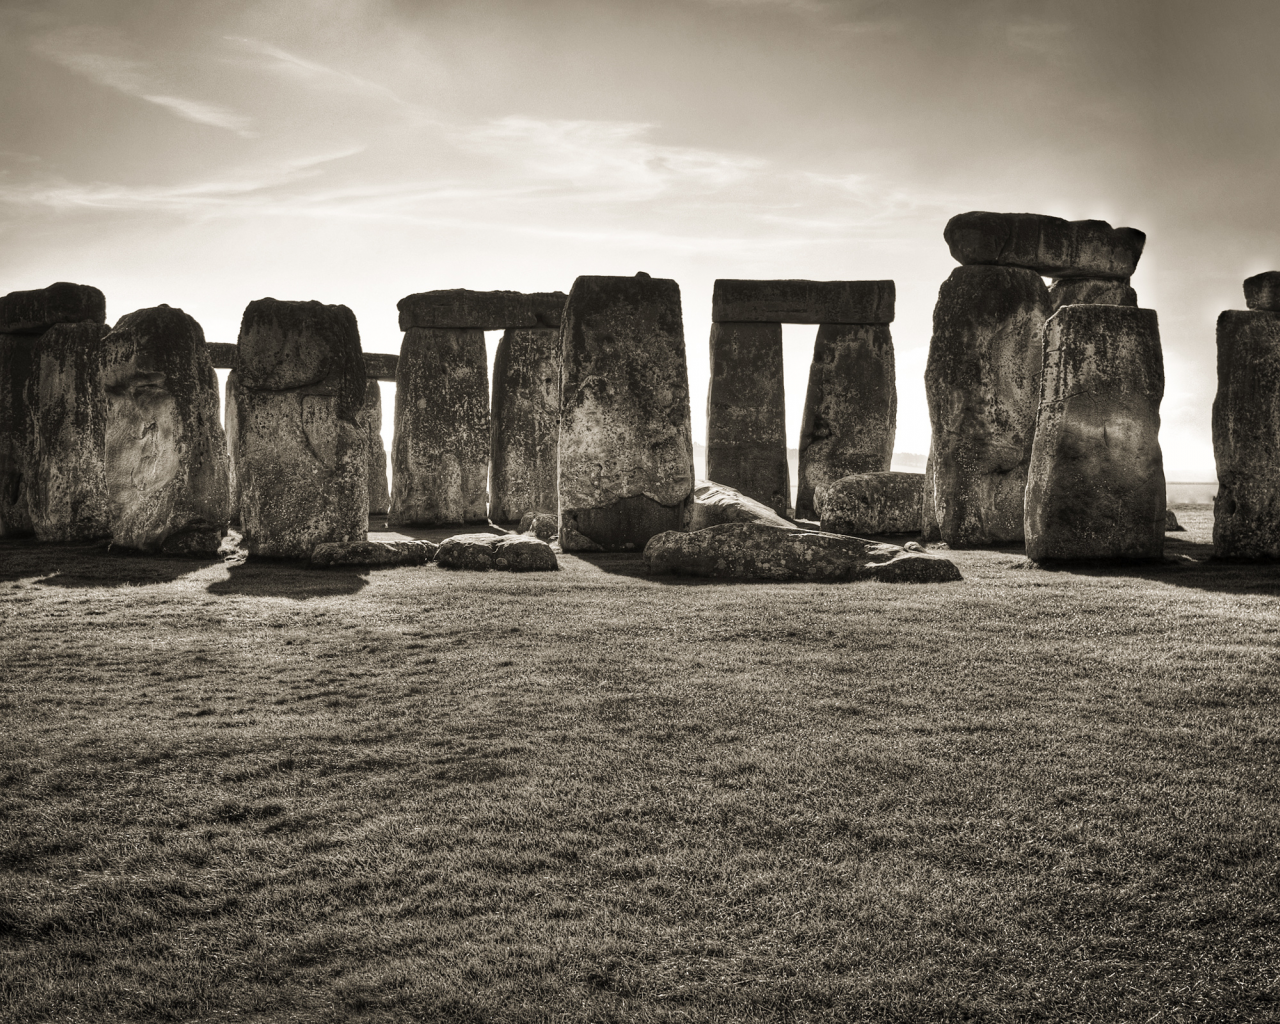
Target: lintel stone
x=1262, y=291
x=34, y=312
x=462, y=308
x=802, y=302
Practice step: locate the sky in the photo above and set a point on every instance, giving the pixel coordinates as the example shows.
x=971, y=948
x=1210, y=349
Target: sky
x=204, y=155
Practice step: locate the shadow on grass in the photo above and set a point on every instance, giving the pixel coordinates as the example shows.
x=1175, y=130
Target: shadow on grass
x=269, y=577
x=1180, y=569
x=90, y=564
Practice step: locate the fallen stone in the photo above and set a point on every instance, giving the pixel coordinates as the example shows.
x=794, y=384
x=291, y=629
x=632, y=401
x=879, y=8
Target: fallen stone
x=982, y=381
x=626, y=446
x=1246, y=436
x=757, y=551
x=379, y=366
x=871, y=503
x=34, y=312
x=484, y=551
x=526, y=413
x=1050, y=246
x=1171, y=524
x=543, y=525
x=440, y=451
x=747, y=411
x=67, y=488
x=375, y=553
x=484, y=311
x=17, y=363
x=1095, y=488
x=371, y=412
x=850, y=409
x=803, y=302
x=1091, y=291
x=1262, y=291
x=166, y=454
x=298, y=444
x=714, y=504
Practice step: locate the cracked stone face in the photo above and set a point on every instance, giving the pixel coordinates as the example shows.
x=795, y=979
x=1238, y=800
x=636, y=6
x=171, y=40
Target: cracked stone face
x=526, y=410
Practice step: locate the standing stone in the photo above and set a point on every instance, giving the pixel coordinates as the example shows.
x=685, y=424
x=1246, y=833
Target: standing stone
x=850, y=408
x=230, y=421
x=526, y=411
x=17, y=361
x=300, y=447
x=1096, y=483
x=34, y=312
x=440, y=451
x=626, y=442
x=67, y=491
x=982, y=382
x=1091, y=291
x=746, y=413
x=1262, y=291
x=1246, y=436
x=929, y=531
x=166, y=455
x=371, y=412
x=1050, y=246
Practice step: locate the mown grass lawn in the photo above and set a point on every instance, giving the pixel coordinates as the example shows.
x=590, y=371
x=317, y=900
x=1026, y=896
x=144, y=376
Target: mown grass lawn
x=243, y=791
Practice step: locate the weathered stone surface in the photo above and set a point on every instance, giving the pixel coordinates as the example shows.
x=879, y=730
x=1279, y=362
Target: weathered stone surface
x=982, y=382
x=67, y=488
x=298, y=443
x=484, y=311
x=375, y=553
x=930, y=533
x=757, y=551
x=1096, y=486
x=870, y=503
x=222, y=354
x=526, y=412
x=17, y=362
x=1171, y=524
x=850, y=408
x=714, y=504
x=378, y=366
x=1050, y=246
x=230, y=428
x=1262, y=291
x=803, y=302
x=440, y=450
x=509, y=552
x=34, y=312
x=379, y=492
x=543, y=525
x=626, y=446
x=747, y=413
x=1091, y=291
x=1246, y=436
x=166, y=454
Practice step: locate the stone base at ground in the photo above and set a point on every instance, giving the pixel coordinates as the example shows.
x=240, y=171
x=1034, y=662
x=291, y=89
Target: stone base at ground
x=483, y=551
x=196, y=542
x=622, y=525
x=871, y=503
x=373, y=553
x=543, y=525
x=1050, y=246
x=755, y=551
x=714, y=504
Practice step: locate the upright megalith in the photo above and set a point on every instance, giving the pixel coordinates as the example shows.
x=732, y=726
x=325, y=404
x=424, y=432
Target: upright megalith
x=371, y=413
x=526, y=412
x=67, y=487
x=166, y=454
x=299, y=445
x=1246, y=435
x=1050, y=246
x=34, y=312
x=982, y=383
x=1096, y=487
x=746, y=413
x=626, y=444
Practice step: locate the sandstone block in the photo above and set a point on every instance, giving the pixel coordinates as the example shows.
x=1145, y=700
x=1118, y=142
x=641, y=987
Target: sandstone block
x=440, y=449
x=803, y=302
x=1091, y=291
x=222, y=354
x=1050, y=246
x=34, y=312
x=1262, y=291
x=166, y=454
x=67, y=489
x=484, y=311
x=298, y=442
x=526, y=413
x=17, y=363
x=1246, y=436
x=930, y=532
x=871, y=503
x=1096, y=486
x=850, y=408
x=379, y=492
x=378, y=366
x=373, y=553
x=747, y=412
x=626, y=446
x=714, y=504
x=543, y=525
x=484, y=551
x=982, y=382
x=1171, y=524
x=757, y=551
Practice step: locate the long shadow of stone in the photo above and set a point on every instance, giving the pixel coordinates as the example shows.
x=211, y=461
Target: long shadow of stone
x=91, y=564
x=1182, y=570
x=266, y=577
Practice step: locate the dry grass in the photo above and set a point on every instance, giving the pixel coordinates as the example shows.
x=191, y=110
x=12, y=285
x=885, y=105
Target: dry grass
x=256, y=791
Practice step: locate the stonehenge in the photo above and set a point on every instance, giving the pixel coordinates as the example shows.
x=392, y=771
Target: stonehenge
x=1096, y=488
x=871, y=503
x=1050, y=246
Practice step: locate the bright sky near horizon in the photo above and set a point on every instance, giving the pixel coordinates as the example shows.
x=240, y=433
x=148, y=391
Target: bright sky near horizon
x=354, y=151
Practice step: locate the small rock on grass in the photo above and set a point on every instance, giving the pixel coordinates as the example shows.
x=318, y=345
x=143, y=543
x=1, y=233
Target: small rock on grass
x=1171, y=524
x=372, y=553
x=543, y=525
x=484, y=551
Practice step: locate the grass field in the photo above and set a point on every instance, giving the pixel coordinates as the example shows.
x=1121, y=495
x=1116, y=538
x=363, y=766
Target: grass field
x=245, y=791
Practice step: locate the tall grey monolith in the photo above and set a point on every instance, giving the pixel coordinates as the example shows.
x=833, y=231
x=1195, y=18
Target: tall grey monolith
x=299, y=445
x=379, y=492
x=526, y=411
x=982, y=383
x=1096, y=489
x=166, y=455
x=626, y=444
